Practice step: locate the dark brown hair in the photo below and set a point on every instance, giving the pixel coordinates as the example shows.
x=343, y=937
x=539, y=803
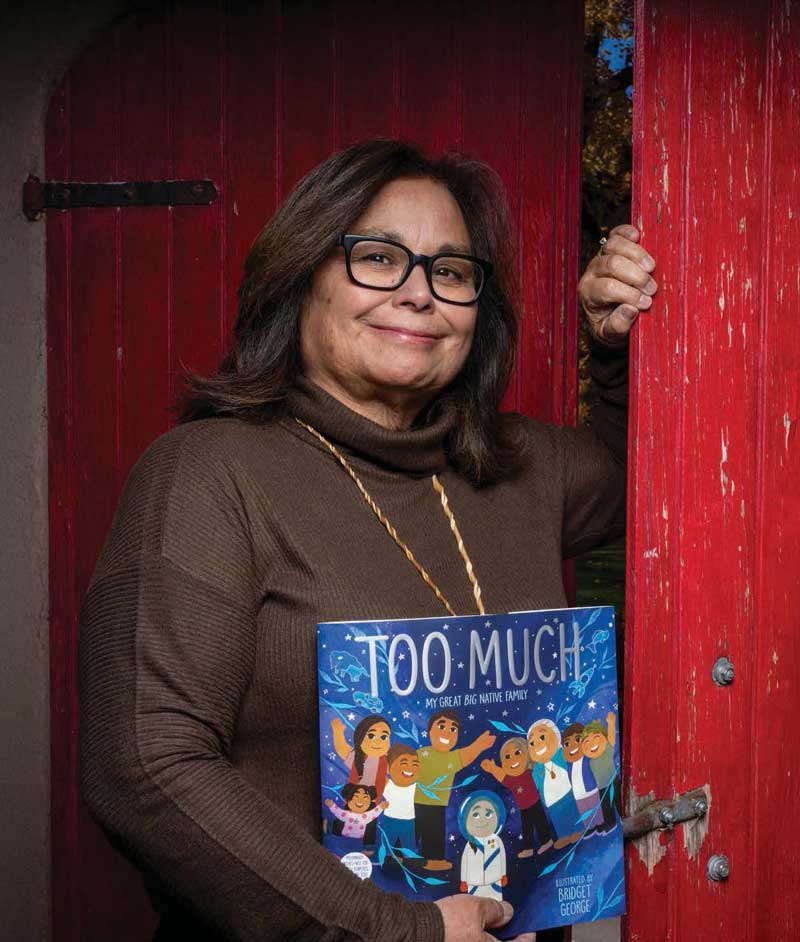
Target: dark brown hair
x=359, y=756
x=444, y=715
x=399, y=749
x=351, y=788
x=264, y=360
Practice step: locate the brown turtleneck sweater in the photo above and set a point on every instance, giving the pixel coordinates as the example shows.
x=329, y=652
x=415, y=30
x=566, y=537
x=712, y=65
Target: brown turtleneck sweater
x=199, y=742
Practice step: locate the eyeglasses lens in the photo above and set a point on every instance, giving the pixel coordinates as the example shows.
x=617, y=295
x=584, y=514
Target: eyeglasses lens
x=456, y=279
x=378, y=265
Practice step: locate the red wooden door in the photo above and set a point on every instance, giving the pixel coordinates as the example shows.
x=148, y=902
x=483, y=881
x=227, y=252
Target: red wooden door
x=252, y=97
x=714, y=534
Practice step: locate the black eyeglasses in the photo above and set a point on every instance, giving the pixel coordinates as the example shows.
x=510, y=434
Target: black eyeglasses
x=384, y=265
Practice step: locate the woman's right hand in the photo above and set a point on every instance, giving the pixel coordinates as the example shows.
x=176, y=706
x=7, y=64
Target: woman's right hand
x=467, y=917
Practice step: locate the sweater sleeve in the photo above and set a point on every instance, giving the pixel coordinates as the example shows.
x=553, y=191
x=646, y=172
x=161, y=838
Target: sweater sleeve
x=595, y=457
x=374, y=813
x=168, y=631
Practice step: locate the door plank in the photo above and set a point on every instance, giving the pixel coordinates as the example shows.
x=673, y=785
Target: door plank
x=145, y=289
x=711, y=504
x=199, y=151
x=249, y=96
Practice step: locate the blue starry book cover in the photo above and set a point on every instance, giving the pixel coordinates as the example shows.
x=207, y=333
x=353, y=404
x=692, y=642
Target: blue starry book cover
x=477, y=754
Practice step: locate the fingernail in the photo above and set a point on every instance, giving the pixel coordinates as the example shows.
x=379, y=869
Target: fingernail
x=630, y=313
x=650, y=287
x=644, y=301
x=647, y=263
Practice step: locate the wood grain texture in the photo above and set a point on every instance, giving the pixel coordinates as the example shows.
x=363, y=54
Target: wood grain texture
x=546, y=383
x=199, y=150
x=144, y=295
x=252, y=95
x=777, y=585
x=65, y=837
x=710, y=394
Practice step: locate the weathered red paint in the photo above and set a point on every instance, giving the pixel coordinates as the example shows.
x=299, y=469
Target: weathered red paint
x=252, y=98
x=714, y=507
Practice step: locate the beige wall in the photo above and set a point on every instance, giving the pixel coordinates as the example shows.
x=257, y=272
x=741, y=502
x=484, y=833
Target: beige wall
x=40, y=39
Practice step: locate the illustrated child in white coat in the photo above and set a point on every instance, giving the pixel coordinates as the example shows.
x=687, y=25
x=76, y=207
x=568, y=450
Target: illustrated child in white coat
x=483, y=862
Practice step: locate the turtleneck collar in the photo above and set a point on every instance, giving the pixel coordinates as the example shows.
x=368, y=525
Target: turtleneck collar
x=414, y=450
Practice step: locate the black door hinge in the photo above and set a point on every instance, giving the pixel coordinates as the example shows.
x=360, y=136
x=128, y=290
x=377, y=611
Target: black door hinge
x=38, y=196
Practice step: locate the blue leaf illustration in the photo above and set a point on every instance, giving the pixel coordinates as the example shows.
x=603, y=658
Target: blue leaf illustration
x=600, y=896
x=502, y=726
x=432, y=881
x=587, y=814
x=611, y=793
x=426, y=791
x=412, y=733
x=615, y=900
x=409, y=881
x=549, y=869
x=570, y=855
x=409, y=853
x=381, y=855
x=467, y=781
x=333, y=681
x=592, y=618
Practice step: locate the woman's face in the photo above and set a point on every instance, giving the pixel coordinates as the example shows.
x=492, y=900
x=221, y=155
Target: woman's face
x=481, y=819
x=396, y=347
x=542, y=743
x=513, y=760
x=376, y=740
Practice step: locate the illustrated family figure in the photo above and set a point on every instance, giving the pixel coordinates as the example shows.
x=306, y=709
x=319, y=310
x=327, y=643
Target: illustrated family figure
x=389, y=775
x=565, y=786
x=555, y=779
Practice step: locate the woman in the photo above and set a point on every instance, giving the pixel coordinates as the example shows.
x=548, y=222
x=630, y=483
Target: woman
x=514, y=772
x=239, y=530
x=367, y=760
x=552, y=779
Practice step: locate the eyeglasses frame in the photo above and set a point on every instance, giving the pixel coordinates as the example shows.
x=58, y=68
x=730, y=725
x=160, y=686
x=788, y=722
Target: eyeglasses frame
x=347, y=241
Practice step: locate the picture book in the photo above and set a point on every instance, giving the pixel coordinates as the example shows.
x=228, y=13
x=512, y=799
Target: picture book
x=477, y=754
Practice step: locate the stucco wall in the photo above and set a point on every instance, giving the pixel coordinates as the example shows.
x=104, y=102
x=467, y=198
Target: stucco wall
x=40, y=39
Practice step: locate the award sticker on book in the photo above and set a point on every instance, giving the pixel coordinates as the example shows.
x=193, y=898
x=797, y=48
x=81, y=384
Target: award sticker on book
x=477, y=754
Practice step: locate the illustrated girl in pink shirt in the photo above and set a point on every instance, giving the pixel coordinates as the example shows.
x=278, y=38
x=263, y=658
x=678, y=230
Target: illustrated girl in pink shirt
x=360, y=810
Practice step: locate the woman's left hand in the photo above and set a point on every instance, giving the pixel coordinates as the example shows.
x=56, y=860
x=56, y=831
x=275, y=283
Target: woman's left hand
x=616, y=285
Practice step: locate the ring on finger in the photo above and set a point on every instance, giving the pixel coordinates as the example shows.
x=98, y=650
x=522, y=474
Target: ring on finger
x=603, y=241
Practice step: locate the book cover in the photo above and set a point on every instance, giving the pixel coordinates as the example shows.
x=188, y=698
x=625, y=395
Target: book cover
x=477, y=754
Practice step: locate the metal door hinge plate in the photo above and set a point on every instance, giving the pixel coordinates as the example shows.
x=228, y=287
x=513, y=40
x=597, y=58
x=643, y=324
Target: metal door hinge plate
x=665, y=813
x=38, y=196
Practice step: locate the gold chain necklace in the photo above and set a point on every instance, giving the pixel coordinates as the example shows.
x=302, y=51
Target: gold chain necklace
x=437, y=486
